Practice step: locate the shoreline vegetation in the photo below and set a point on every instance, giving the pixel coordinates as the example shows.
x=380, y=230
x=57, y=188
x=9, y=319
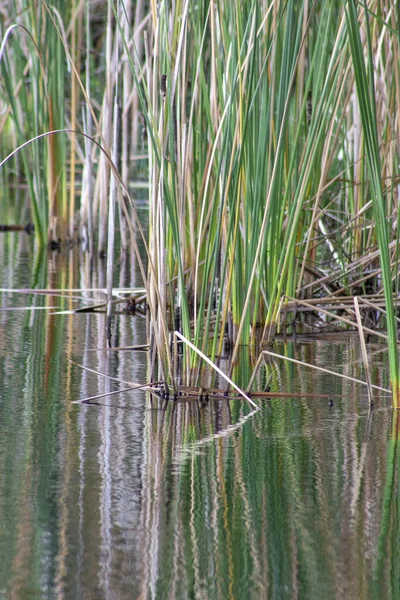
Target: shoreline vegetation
x=247, y=152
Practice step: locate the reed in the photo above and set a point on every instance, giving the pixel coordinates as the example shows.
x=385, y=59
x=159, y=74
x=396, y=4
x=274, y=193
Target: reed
x=367, y=103
x=269, y=142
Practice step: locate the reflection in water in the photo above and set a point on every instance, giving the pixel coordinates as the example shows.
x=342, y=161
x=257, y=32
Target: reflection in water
x=132, y=499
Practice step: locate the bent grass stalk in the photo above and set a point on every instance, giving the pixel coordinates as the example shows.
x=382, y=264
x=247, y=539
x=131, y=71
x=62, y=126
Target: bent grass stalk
x=217, y=369
x=363, y=350
x=323, y=370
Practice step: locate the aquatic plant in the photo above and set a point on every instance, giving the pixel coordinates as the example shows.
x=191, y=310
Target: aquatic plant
x=367, y=103
x=268, y=140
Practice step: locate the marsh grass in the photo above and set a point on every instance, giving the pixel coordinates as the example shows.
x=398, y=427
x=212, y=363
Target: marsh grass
x=271, y=150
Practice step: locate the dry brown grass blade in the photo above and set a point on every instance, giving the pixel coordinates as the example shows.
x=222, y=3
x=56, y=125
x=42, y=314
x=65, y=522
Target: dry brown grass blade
x=363, y=350
x=91, y=398
x=304, y=364
x=217, y=369
x=359, y=263
x=143, y=386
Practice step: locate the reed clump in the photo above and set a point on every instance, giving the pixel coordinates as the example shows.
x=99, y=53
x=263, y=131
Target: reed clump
x=267, y=132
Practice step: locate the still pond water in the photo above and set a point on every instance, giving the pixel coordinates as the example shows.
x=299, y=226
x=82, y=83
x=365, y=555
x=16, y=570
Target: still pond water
x=121, y=500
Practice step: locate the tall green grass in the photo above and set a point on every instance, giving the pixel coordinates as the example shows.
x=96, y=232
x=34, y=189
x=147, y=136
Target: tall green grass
x=271, y=153
x=367, y=102
x=34, y=71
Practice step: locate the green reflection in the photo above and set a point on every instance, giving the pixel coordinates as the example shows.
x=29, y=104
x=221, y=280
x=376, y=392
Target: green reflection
x=131, y=499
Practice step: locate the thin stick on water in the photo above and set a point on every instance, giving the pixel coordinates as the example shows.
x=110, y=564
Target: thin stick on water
x=363, y=350
x=144, y=386
x=217, y=369
x=304, y=364
x=104, y=395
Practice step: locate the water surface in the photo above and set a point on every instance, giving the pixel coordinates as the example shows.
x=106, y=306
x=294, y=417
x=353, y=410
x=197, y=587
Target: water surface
x=121, y=499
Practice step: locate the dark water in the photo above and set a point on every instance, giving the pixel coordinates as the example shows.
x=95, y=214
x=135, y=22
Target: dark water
x=124, y=500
